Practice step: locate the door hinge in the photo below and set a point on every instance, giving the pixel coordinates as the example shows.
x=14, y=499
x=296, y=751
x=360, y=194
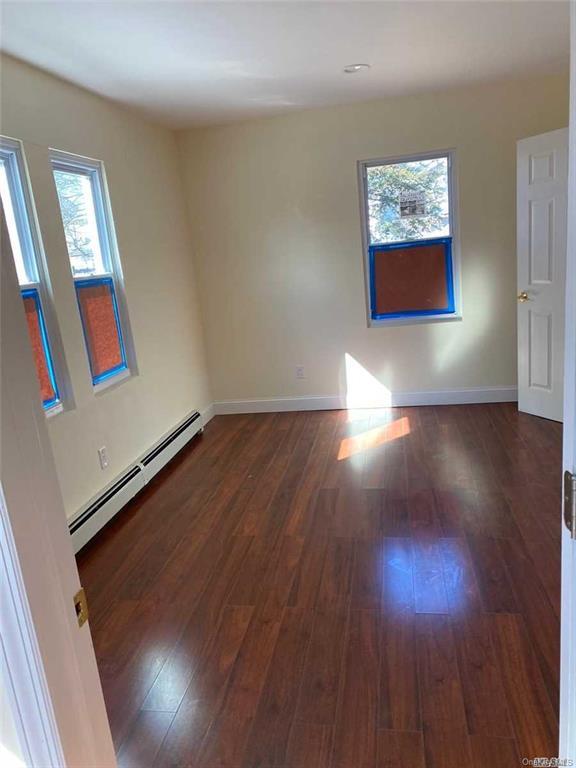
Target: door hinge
x=81, y=606
x=570, y=502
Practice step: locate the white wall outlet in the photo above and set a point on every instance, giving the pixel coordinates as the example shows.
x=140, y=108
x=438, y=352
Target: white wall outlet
x=103, y=457
x=300, y=372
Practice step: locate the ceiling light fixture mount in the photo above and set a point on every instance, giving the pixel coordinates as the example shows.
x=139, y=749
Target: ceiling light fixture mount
x=351, y=69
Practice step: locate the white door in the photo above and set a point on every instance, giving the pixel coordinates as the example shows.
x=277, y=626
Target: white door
x=47, y=662
x=567, y=749
x=542, y=179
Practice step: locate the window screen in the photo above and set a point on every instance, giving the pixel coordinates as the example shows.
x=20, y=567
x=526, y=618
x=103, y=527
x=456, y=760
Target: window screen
x=99, y=313
x=40, y=347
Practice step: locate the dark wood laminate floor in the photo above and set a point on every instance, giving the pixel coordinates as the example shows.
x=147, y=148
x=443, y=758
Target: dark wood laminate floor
x=334, y=590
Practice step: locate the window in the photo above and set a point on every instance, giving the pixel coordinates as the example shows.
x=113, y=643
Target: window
x=409, y=221
x=94, y=262
x=26, y=250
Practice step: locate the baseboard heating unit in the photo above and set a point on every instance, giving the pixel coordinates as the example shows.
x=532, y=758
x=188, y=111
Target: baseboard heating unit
x=110, y=501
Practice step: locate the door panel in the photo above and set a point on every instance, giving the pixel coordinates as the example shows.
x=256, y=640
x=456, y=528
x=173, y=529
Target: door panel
x=541, y=220
x=540, y=338
x=541, y=241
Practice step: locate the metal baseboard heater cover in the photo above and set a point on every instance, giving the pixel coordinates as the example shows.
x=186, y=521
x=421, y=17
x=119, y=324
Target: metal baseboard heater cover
x=102, y=509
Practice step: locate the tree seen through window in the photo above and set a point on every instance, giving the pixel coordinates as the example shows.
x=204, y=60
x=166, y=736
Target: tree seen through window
x=79, y=219
x=408, y=200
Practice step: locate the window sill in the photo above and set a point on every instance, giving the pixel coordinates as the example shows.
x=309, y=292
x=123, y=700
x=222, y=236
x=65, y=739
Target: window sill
x=112, y=382
x=414, y=320
x=54, y=410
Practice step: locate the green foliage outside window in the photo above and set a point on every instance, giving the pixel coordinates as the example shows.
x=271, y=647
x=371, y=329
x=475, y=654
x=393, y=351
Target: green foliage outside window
x=387, y=183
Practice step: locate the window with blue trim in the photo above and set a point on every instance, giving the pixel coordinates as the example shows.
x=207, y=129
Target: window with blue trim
x=94, y=262
x=409, y=221
x=26, y=250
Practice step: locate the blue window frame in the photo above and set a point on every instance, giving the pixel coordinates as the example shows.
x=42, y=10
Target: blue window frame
x=54, y=397
x=105, y=332
x=446, y=243
x=409, y=223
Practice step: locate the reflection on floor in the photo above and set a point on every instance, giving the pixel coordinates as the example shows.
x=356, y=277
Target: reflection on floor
x=337, y=589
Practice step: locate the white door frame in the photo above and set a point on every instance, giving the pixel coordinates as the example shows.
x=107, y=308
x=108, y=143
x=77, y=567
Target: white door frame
x=21, y=663
x=53, y=682
x=567, y=748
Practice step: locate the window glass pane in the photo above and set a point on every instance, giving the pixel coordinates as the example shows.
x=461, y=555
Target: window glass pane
x=99, y=313
x=78, y=208
x=40, y=347
x=23, y=273
x=408, y=200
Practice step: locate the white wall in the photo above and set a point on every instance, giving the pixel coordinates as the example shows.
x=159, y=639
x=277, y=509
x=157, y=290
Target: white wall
x=276, y=223
x=147, y=199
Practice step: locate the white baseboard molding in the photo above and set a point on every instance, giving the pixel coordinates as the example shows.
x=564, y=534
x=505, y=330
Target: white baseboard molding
x=341, y=402
x=105, y=505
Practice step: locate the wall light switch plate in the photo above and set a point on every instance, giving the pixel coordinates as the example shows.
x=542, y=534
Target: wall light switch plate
x=103, y=457
x=300, y=372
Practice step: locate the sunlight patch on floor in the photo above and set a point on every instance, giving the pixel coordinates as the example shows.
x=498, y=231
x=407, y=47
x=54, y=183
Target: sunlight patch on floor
x=372, y=438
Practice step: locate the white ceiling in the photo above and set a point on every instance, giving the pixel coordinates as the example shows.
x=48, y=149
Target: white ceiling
x=191, y=63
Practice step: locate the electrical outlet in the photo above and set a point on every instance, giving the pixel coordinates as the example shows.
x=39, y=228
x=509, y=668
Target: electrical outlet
x=300, y=372
x=103, y=457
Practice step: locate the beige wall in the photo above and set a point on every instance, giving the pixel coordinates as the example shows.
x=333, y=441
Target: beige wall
x=276, y=236
x=147, y=199
x=275, y=213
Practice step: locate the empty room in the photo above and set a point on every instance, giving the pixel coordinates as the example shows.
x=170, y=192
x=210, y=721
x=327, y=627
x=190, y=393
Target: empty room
x=288, y=384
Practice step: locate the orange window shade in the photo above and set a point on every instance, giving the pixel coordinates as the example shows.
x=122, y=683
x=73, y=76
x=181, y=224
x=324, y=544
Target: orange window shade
x=100, y=327
x=411, y=279
x=38, y=351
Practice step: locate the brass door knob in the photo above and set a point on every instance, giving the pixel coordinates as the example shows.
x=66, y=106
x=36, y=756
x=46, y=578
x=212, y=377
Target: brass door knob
x=522, y=297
